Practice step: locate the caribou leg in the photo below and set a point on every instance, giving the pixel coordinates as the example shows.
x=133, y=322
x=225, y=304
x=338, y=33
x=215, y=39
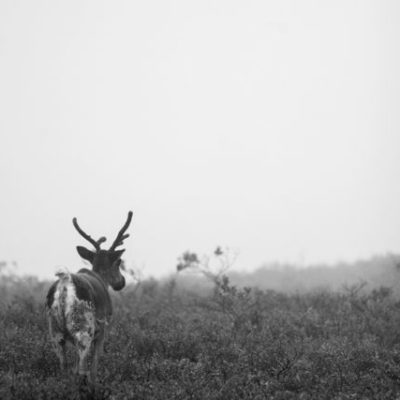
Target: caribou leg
x=83, y=342
x=98, y=345
x=59, y=348
x=58, y=342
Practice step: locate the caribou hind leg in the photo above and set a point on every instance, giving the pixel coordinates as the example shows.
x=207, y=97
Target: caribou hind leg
x=58, y=342
x=83, y=342
x=98, y=345
x=59, y=349
x=82, y=328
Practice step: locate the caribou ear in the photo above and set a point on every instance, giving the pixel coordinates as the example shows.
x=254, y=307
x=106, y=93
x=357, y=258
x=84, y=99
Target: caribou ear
x=85, y=253
x=115, y=255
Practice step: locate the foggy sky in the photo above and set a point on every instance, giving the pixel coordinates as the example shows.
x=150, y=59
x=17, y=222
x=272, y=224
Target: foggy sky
x=271, y=127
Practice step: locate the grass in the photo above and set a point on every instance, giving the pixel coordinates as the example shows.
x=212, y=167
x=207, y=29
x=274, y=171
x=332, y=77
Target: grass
x=170, y=343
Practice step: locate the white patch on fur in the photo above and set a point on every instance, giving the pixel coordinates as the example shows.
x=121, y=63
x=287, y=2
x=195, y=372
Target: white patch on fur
x=70, y=298
x=65, y=294
x=84, y=339
x=56, y=307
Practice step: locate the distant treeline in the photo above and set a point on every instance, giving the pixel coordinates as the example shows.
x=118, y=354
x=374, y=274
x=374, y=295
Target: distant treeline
x=375, y=272
x=378, y=271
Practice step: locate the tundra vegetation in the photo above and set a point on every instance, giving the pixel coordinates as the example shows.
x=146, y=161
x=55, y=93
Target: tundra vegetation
x=223, y=341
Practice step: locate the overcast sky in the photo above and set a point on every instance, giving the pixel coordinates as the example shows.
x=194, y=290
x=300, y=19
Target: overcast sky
x=271, y=127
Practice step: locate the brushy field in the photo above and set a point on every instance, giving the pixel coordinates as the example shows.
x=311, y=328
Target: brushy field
x=170, y=343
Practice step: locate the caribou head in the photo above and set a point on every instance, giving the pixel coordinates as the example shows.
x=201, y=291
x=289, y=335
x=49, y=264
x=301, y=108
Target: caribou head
x=105, y=263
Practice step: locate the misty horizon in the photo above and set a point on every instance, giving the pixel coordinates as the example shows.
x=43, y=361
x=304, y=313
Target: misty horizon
x=269, y=128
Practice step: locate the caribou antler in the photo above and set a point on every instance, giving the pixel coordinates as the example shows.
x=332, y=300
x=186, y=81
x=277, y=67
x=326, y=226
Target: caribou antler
x=95, y=243
x=121, y=234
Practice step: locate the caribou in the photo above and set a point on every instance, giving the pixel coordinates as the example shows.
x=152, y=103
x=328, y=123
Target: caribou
x=79, y=306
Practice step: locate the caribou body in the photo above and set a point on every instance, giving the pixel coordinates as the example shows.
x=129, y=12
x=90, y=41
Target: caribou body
x=78, y=304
